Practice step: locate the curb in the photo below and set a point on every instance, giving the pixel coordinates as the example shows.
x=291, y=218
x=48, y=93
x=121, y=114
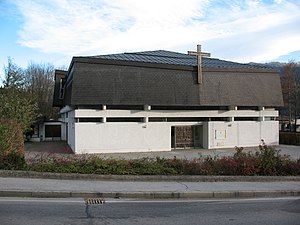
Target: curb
x=150, y=195
x=149, y=178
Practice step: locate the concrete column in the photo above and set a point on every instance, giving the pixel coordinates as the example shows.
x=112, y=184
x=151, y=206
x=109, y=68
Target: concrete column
x=104, y=117
x=147, y=107
x=231, y=119
x=262, y=118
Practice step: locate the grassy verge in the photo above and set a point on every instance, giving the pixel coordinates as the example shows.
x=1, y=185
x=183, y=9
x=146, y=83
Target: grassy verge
x=267, y=161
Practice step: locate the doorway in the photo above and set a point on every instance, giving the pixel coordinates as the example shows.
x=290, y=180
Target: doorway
x=183, y=137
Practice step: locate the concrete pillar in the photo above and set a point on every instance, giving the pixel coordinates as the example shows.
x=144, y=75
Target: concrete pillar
x=147, y=107
x=262, y=118
x=146, y=119
x=104, y=117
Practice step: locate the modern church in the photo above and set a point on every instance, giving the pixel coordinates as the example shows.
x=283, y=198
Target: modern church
x=162, y=100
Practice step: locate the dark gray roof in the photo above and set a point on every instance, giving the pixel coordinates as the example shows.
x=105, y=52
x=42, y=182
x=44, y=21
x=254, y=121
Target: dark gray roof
x=169, y=79
x=175, y=58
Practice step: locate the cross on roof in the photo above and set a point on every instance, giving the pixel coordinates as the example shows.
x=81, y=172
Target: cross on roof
x=199, y=55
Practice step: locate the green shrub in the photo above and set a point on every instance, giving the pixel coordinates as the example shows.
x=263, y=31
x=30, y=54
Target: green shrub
x=11, y=145
x=11, y=137
x=12, y=161
x=265, y=161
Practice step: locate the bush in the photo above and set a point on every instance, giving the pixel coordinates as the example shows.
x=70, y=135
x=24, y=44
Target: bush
x=265, y=161
x=11, y=145
x=11, y=137
x=12, y=161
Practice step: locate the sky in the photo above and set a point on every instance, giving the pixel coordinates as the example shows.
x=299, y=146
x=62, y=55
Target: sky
x=52, y=31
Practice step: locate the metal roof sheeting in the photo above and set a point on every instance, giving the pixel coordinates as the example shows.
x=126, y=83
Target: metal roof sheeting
x=175, y=58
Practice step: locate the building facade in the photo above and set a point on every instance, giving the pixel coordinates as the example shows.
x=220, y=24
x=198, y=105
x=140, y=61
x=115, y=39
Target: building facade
x=152, y=101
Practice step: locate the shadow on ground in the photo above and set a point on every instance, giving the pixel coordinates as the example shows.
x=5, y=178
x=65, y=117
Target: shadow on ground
x=59, y=147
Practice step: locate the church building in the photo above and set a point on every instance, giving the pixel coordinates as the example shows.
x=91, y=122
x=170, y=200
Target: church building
x=162, y=100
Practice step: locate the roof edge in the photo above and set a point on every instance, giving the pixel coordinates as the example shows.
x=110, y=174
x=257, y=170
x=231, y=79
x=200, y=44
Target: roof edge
x=84, y=59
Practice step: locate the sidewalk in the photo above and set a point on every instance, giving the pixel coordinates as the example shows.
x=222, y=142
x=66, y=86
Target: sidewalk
x=62, y=188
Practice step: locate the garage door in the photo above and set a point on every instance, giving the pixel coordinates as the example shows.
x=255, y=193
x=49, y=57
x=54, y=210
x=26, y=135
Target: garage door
x=52, y=131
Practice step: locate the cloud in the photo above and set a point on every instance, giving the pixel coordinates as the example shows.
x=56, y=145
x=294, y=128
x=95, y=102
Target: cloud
x=238, y=30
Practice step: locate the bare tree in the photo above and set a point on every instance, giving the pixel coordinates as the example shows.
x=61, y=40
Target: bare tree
x=290, y=82
x=40, y=83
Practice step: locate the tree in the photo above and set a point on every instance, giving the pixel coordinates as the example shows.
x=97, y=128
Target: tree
x=290, y=82
x=40, y=83
x=15, y=102
x=14, y=75
x=19, y=106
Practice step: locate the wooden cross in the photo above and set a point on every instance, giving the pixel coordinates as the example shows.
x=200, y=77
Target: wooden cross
x=199, y=55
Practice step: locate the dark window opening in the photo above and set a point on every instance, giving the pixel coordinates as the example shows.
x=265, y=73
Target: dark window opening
x=52, y=131
x=61, y=88
x=97, y=107
x=255, y=108
x=125, y=107
x=89, y=120
x=125, y=119
x=271, y=118
x=178, y=119
x=157, y=119
x=162, y=107
x=219, y=119
x=246, y=118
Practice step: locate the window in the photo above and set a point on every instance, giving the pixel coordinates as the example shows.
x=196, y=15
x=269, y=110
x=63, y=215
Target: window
x=246, y=118
x=125, y=107
x=61, y=88
x=125, y=119
x=178, y=119
x=255, y=108
x=161, y=107
x=89, y=120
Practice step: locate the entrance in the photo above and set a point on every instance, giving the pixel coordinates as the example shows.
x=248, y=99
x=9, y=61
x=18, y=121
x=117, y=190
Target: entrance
x=53, y=132
x=187, y=137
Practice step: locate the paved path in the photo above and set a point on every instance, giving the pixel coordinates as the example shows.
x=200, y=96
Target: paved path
x=33, y=150
x=28, y=187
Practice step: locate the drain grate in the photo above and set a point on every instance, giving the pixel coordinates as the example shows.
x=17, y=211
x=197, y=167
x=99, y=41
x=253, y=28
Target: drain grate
x=92, y=201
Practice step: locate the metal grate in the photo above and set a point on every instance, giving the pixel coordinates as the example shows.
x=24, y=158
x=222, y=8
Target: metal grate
x=94, y=201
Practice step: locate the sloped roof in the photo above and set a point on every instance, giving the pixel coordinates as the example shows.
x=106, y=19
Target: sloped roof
x=170, y=79
x=175, y=58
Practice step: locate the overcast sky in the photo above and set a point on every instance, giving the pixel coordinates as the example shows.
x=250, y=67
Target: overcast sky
x=55, y=30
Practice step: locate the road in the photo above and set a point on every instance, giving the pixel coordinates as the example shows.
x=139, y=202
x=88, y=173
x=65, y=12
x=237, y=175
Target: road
x=72, y=211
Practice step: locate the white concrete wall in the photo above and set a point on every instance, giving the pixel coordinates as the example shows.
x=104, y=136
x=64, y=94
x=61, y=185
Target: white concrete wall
x=174, y=113
x=71, y=130
x=243, y=133
x=156, y=136
x=122, y=137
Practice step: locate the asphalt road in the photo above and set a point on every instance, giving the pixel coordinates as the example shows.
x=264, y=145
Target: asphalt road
x=72, y=211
